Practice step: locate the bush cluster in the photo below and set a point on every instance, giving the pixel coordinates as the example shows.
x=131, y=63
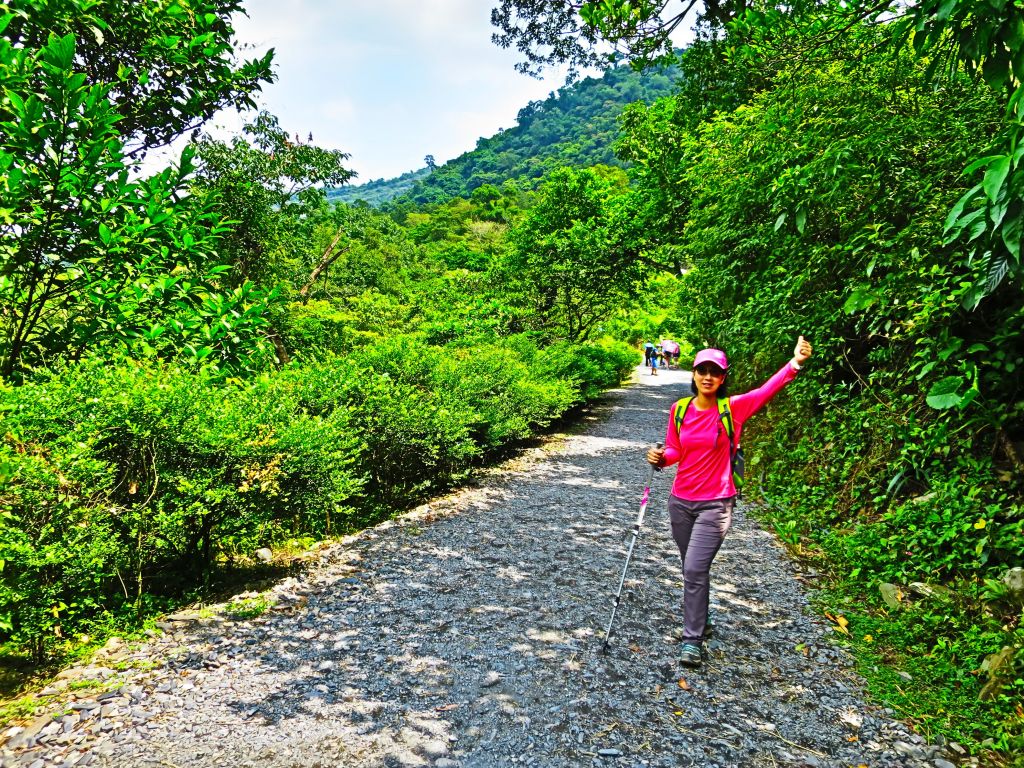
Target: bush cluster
x=124, y=485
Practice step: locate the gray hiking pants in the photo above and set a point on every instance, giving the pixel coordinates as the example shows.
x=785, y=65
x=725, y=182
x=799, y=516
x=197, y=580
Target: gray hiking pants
x=698, y=527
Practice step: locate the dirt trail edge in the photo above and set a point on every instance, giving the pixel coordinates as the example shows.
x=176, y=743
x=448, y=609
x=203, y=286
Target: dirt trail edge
x=468, y=633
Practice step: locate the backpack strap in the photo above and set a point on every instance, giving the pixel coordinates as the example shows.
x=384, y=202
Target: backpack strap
x=725, y=415
x=735, y=452
x=680, y=412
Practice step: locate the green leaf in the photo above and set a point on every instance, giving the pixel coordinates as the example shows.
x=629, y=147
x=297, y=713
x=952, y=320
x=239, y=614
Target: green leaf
x=958, y=209
x=1011, y=235
x=1014, y=30
x=968, y=398
x=60, y=51
x=944, y=393
x=978, y=227
x=860, y=299
x=945, y=9
x=18, y=102
x=996, y=268
x=995, y=176
x=801, y=220
x=981, y=162
x=891, y=594
x=780, y=221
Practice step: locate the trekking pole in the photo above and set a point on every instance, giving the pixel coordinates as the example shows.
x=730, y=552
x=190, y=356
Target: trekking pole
x=636, y=533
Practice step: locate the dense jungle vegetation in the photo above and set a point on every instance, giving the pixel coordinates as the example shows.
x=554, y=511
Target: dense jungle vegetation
x=217, y=358
x=377, y=191
x=214, y=359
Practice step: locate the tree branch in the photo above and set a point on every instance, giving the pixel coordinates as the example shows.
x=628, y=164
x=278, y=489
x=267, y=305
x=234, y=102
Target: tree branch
x=326, y=260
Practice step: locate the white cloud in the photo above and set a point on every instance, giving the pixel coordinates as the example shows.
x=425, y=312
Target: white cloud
x=388, y=81
x=339, y=111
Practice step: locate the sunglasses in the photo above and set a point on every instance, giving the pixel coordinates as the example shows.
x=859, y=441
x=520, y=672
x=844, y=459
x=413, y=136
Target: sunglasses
x=708, y=370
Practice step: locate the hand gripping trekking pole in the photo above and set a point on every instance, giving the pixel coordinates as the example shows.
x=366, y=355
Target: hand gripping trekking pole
x=636, y=533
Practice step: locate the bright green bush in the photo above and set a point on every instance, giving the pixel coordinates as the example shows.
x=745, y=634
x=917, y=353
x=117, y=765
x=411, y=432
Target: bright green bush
x=591, y=367
x=124, y=484
x=125, y=479
x=410, y=441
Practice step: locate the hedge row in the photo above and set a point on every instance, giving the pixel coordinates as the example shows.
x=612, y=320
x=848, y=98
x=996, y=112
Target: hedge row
x=123, y=485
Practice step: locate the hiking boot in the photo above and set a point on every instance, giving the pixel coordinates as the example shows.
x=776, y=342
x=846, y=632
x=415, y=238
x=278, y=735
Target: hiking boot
x=689, y=655
x=709, y=627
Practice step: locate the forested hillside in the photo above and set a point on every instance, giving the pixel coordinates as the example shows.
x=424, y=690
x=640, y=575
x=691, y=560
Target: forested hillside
x=378, y=191
x=575, y=126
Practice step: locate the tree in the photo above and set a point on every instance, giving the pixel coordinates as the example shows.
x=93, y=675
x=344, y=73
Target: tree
x=430, y=162
x=578, y=34
x=984, y=38
x=88, y=255
x=168, y=66
x=260, y=181
x=565, y=262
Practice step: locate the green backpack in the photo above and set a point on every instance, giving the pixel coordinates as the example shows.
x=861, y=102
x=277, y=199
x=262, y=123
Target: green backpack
x=725, y=415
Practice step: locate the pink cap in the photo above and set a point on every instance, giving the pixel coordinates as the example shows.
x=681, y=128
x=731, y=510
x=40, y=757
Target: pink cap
x=715, y=356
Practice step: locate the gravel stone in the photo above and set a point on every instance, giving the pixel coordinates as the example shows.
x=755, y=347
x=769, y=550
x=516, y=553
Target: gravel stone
x=490, y=680
x=390, y=647
x=434, y=749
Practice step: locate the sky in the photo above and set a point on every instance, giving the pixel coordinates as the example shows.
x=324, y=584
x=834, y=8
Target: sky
x=387, y=81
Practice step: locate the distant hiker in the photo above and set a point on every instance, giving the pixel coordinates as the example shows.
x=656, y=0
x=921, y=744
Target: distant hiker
x=648, y=351
x=671, y=350
x=703, y=437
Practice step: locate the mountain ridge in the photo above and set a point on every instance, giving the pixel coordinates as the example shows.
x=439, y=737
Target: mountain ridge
x=575, y=125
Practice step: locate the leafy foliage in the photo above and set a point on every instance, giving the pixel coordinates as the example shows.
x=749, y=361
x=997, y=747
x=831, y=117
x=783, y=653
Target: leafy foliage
x=261, y=182
x=549, y=32
x=983, y=38
x=215, y=358
x=566, y=262
x=168, y=67
x=376, y=192
x=125, y=482
x=124, y=485
x=88, y=256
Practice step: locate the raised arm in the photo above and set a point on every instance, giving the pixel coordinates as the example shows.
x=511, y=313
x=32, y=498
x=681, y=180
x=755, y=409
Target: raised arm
x=746, y=405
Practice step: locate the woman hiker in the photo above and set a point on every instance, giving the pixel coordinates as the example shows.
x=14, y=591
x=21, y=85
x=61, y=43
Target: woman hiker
x=704, y=492
x=648, y=354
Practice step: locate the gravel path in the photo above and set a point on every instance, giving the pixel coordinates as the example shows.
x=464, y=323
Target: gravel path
x=467, y=633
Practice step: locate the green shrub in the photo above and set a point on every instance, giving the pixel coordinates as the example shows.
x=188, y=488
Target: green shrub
x=410, y=440
x=591, y=367
x=121, y=479
x=124, y=485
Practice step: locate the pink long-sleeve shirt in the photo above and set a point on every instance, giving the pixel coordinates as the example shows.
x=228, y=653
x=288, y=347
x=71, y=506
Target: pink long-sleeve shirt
x=701, y=447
